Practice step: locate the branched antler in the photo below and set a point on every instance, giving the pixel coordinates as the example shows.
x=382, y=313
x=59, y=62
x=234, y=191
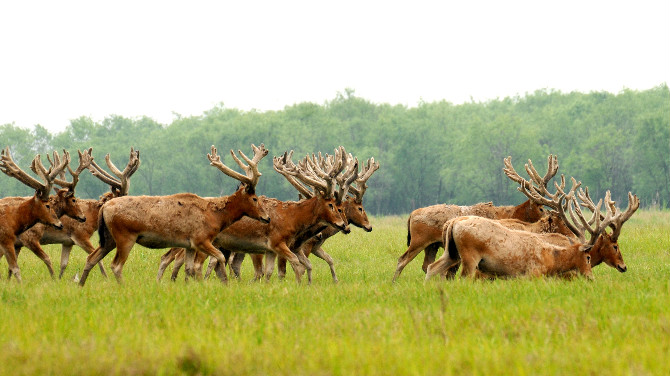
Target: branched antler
x=121, y=183
x=250, y=179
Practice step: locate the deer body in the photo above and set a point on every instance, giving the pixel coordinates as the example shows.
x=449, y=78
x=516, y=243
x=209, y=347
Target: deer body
x=494, y=249
x=424, y=226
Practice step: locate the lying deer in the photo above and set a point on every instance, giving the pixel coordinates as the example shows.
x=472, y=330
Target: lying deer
x=424, y=226
x=180, y=220
x=17, y=216
x=290, y=221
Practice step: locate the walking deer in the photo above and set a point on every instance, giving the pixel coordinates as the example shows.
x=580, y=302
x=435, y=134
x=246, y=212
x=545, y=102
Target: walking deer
x=353, y=211
x=291, y=223
x=424, y=226
x=18, y=216
x=180, y=220
x=79, y=232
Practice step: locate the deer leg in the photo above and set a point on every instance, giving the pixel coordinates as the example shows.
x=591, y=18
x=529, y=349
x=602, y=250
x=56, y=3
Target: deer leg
x=236, y=264
x=429, y=255
x=189, y=260
x=64, y=259
x=84, y=244
x=178, y=263
x=36, y=248
x=269, y=264
x=284, y=251
x=166, y=260
x=10, y=254
x=281, y=267
x=94, y=258
x=441, y=266
x=308, y=265
x=210, y=267
x=320, y=253
x=209, y=249
x=122, y=251
x=409, y=255
x=469, y=265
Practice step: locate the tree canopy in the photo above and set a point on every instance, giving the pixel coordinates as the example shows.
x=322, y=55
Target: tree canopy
x=432, y=153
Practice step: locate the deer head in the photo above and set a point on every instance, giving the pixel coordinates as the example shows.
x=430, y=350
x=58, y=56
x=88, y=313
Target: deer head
x=245, y=197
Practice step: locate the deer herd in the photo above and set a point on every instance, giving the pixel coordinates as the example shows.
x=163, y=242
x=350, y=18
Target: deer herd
x=548, y=234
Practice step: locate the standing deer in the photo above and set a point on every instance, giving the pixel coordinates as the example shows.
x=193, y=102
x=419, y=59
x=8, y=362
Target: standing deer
x=79, y=232
x=290, y=223
x=606, y=248
x=16, y=217
x=180, y=220
x=424, y=226
x=353, y=211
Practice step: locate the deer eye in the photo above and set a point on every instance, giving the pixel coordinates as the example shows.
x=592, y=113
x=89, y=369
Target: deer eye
x=588, y=259
x=48, y=206
x=255, y=199
x=360, y=209
x=330, y=206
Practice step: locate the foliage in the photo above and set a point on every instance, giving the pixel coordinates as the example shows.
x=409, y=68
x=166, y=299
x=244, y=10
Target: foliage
x=433, y=153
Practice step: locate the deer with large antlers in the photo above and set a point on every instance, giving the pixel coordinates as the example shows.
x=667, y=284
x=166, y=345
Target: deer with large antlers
x=425, y=225
x=291, y=221
x=79, y=232
x=353, y=211
x=180, y=220
x=485, y=245
x=606, y=248
x=18, y=216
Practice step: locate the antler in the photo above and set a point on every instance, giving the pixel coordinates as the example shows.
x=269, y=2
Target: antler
x=361, y=182
x=9, y=167
x=552, y=169
x=251, y=169
x=619, y=217
x=121, y=183
x=85, y=160
x=285, y=166
x=595, y=226
x=348, y=176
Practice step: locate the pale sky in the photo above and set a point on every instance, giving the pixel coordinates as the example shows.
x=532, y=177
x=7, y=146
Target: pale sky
x=60, y=60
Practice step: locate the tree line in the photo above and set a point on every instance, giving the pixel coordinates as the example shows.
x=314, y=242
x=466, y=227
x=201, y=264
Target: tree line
x=436, y=152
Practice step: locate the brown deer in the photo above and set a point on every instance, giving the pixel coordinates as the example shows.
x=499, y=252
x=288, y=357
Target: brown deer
x=483, y=244
x=180, y=220
x=79, y=232
x=424, y=226
x=600, y=244
x=606, y=248
x=16, y=217
x=353, y=211
x=290, y=221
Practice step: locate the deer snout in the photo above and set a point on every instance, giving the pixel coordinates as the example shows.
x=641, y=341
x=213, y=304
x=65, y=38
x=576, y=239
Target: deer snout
x=265, y=219
x=367, y=228
x=621, y=268
x=58, y=225
x=81, y=219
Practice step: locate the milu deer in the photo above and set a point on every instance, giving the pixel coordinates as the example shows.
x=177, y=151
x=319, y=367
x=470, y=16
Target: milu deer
x=79, y=232
x=353, y=210
x=606, y=248
x=290, y=221
x=424, y=225
x=180, y=220
x=485, y=245
x=16, y=217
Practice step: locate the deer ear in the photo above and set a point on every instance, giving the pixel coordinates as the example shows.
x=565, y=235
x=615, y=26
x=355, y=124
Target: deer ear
x=586, y=248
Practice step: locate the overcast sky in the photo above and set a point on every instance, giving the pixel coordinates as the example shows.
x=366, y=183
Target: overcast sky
x=60, y=60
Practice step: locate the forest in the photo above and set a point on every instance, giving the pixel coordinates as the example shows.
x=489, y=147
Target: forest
x=435, y=152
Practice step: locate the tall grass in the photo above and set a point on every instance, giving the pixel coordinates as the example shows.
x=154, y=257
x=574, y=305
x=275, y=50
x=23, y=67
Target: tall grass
x=617, y=325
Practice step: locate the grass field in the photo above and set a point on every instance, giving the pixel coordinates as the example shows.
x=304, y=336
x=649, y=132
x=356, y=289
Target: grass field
x=617, y=325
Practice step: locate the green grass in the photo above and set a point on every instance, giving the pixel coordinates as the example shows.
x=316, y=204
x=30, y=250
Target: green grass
x=617, y=325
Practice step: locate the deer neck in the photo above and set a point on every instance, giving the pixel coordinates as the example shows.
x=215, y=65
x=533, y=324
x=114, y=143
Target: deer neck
x=26, y=215
x=225, y=212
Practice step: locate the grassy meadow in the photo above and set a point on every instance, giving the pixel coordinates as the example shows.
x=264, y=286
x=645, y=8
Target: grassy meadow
x=617, y=325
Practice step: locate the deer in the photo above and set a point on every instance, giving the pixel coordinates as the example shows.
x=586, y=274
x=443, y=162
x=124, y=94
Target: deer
x=353, y=211
x=79, y=232
x=19, y=215
x=485, y=245
x=425, y=225
x=290, y=224
x=606, y=248
x=179, y=220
